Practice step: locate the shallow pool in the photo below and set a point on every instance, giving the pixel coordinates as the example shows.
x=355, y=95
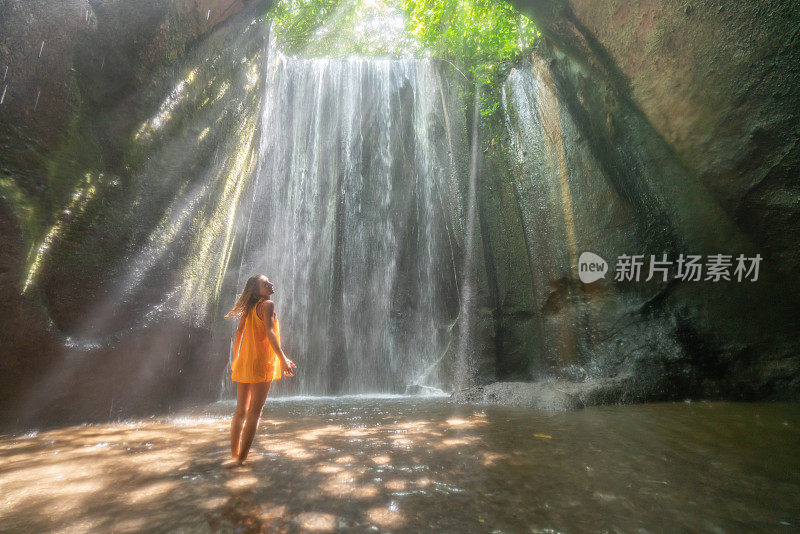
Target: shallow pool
x=411, y=464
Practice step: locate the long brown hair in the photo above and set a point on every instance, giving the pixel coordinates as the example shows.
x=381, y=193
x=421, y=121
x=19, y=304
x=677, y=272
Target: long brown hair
x=247, y=299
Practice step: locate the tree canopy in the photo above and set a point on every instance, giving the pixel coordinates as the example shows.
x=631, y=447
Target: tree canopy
x=479, y=38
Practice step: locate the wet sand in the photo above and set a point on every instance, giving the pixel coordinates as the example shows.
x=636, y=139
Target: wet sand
x=414, y=465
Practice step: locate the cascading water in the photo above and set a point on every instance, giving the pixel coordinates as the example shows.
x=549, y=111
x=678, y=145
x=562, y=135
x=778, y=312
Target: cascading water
x=355, y=219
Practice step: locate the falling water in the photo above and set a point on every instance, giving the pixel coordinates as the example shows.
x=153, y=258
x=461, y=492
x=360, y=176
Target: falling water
x=352, y=219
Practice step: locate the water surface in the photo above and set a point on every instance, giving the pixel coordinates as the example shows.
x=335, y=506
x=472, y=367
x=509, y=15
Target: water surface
x=401, y=464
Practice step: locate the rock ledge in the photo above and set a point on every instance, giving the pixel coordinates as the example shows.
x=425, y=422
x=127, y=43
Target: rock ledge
x=550, y=395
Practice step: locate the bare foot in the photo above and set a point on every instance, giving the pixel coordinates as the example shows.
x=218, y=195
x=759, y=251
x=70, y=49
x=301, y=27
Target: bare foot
x=232, y=463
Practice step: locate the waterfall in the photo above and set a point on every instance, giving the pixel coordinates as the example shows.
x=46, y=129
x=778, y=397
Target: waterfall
x=352, y=219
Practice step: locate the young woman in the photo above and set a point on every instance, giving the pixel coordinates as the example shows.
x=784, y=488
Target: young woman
x=258, y=360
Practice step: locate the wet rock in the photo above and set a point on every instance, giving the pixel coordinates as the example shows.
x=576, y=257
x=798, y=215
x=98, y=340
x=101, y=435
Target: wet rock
x=70, y=170
x=677, y=130
x=27, y=348
x=575, y=184
x=65, y=58
x=550, y=395
x=415, y=389
x=157, y=368
x=719, y=83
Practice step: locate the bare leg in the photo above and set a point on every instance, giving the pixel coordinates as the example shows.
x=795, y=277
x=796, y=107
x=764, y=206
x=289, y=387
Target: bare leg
x=242, y=395
x=258, y=394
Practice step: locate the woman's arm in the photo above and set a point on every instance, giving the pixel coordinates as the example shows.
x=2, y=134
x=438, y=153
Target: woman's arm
x=268, y=311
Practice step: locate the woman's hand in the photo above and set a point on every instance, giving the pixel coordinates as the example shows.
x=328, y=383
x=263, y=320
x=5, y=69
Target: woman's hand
x=287, y=366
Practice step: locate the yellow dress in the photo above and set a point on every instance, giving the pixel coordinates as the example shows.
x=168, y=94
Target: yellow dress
x=254, y=359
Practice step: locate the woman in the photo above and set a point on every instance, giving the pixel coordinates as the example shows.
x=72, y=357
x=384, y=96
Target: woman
x=258, y=360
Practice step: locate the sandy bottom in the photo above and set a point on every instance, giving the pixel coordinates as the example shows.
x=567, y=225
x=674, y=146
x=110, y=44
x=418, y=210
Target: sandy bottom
x=394, y=465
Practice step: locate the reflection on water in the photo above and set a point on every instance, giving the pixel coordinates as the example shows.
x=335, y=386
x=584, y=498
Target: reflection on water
x=415, y=464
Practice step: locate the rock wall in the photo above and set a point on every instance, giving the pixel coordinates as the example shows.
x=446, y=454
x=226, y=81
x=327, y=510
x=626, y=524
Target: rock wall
x=579, y=169
x=719, y=82
x=127, y=133
x=105, y=211
x=648, y=129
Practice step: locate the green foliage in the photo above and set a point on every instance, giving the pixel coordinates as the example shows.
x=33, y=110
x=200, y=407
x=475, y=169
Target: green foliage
x=337, y=28
x=478, y=38
x=482, y=35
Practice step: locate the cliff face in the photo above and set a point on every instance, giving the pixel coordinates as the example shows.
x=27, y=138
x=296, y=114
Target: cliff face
x=718, y=81
x=91, y=172
x=660, y=128
x=130, y=134
x=82, y=56
x=588, y=173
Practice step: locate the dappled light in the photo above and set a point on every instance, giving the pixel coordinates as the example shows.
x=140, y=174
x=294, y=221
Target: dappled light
x=500, y=467
x=165, y=112
x=80, y=198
